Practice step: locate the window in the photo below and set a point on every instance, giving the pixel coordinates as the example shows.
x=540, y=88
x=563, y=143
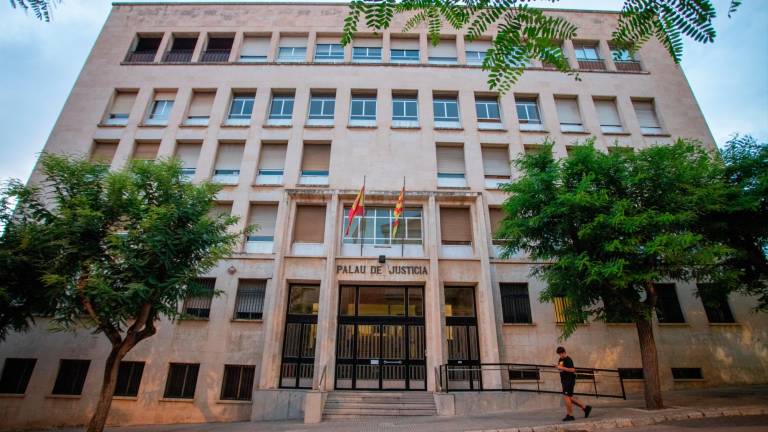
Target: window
x=667, y=305
x=475, y=58
x=631, y=373
x=281, y=107
x=455, y=226
x=162, y=105
x=366, y=54
x=443, y=53
x=646, y=116
x=446, y=109
x=199, y=306
x=145, y=150
x=405, y=108
x=241, y=108
x=715, y=304
x=249, y=304
x=129, y=378
x=200, y=108
x=292, y=49
x=181, y=382
x=271, y=163
x=528, y=110
x=375, y=228
x=496, y=214
x=310, y=224
x=322, y=107
x=459, y=301
x=687, y=374
x=624, y=60
x=145, y=49
x=315, y=162
x=103, y=152
x=363, y=108
x=218, y=50
x=329, y=51
x=475, y=51
x=561, y=304
x=495, y=166
x=303, y=300
x=586, y=51
x=515, y=303
x=227, y=168
x=122, y=103
x=450, y=166
x=608, y=115
x=404, y=50
x=238, y=382
x=188, y=154
x=254, y=49
x=71, y=377
x=264, y=217
x=569, y=114
x=487, y=109
x=220, y=209
x=16, y=375
x=181, y=50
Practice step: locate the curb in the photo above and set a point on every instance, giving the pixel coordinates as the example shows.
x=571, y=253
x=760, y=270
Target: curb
x=628, y=422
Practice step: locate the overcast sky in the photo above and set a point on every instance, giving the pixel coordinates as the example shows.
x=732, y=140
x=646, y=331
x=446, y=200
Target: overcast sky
x=42, y=61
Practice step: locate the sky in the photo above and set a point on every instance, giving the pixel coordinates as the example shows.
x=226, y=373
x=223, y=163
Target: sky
x=42, y=61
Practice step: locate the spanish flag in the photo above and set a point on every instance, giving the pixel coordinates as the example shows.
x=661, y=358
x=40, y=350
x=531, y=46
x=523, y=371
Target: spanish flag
x=358, y=208
x=397, y=213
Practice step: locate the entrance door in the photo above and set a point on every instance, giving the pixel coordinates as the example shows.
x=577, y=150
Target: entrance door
x=298, y=365
x=461, y=338
x=380, y=343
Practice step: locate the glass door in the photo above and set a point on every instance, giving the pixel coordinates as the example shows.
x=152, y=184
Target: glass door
x=461, y=338
x=298, y=363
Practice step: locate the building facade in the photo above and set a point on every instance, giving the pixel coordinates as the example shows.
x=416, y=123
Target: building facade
x=262, y=98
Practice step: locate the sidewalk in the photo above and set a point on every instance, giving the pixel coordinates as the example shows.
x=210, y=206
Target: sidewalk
x=607, y=415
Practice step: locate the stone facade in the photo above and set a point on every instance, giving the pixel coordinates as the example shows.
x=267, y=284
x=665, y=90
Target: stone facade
x=383, y=152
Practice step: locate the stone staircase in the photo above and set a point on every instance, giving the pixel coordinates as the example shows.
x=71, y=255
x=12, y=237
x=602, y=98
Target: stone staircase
x=355, y=404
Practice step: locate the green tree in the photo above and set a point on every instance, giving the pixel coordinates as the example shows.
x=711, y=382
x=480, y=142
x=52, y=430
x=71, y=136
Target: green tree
x=607, y=227
x=42, y=9
x=525, y=33
x=126, y=247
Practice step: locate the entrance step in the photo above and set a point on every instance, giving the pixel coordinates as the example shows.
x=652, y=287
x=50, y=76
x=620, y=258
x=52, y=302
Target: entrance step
x=352, y=404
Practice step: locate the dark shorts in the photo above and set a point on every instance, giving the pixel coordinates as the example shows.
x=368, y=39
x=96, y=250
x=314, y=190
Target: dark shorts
x=568, y=387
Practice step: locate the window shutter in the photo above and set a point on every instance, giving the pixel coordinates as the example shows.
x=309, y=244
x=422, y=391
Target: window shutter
x=145, y=151
x=455, y=225
x=406, y=44
x=201, y=104
x=263, y=215
x=607, y=112
x=316, y=157
x=255, y=46
x=123, y=102
x=188, y=153
x=310, y=224
x=646, y=114
x=496, y=215
x=568, y=111
x=165, y=95
x=293, y=41
x=477, y=45
x=103, y=152
x=272, y=157
x=446, y=48
x=450, y=159
x=496, y=161
x=230, y=156
x=221, y=209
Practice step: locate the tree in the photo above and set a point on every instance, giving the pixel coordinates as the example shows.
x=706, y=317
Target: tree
x=127, y=247
x=608, y=227
x=43, y=9
x=525, y=33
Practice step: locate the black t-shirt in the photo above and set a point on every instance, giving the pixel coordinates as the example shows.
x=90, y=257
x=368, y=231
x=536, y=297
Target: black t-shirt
x=566, y=376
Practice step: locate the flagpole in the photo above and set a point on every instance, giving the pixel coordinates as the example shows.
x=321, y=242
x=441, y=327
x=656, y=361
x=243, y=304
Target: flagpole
x=402, y=243
x=362, y=220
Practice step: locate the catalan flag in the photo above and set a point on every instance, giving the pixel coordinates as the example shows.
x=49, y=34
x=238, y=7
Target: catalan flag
x=358, y=208
x=397, y=212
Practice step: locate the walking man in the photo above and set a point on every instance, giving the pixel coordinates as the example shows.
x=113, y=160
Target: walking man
x=568, y=380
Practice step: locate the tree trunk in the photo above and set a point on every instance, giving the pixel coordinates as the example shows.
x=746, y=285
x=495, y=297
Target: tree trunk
x=99, y=418
x=650, y=361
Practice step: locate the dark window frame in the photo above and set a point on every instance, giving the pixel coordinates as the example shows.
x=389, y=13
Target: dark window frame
x=189, y=374
x=16, y=375
x=242, y=382
x=66, y=384
x=129, y=374
x=521, y=310
x=687, y=373
x=668, y=308
x=716, y=306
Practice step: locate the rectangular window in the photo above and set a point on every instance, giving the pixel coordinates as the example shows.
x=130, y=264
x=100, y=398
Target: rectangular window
x=716, y=304
x=322, y=106
x=241, y=108
x=181, y=50
x=181, y=381
x=366, y=54
x=254, y=49
x=362, y=108
x=475, y=51
x=560, y=304
x=103, y=152
x=271, y=163
x=188, y=153
x=200, y=108
x=310, y=224
x=281, y=107
x=459, y=301
x=645, y=110
x=403, y=50
x=162, y=104
x=455, y=226
x=16, y=375
x=315, y=162
x=608, y=114
x=569, y=114
x=238, y=382
x=220, y=209
x=450, y=166
x=496, y=214
x=145, y=49
x=145, y=150
x=217, y=50
x=667, y=305
x=495, y=166
x=528, y=110
x=122, y=103
x=292, y=49
x=71, y=377
x=443, y=53
x=249, y=304
x=446, y=109
x=129, y=378
x=515, y=303
x=624, y=60
x=631, y=373
x=585, y=51
x=329, y=50
x=487, y=109
x=375, y=228
x=405, y=108
x=687, y=374
x=199, y=306
x=264, y=217
x=228, y=160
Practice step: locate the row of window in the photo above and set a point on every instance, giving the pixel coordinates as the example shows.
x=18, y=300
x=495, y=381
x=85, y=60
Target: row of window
x=404, y=49
x=405, y=110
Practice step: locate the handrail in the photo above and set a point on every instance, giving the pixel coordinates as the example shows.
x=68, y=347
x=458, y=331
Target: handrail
x=321, y=381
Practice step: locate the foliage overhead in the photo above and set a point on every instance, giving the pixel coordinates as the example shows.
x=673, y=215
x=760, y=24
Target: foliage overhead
x=42, y=9
x=525, y=33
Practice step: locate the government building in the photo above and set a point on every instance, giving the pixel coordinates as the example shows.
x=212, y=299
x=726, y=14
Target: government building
x=263, y=99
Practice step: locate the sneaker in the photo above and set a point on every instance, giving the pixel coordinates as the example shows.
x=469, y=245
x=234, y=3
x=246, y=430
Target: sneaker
x=587, y=410
x=569, y=418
